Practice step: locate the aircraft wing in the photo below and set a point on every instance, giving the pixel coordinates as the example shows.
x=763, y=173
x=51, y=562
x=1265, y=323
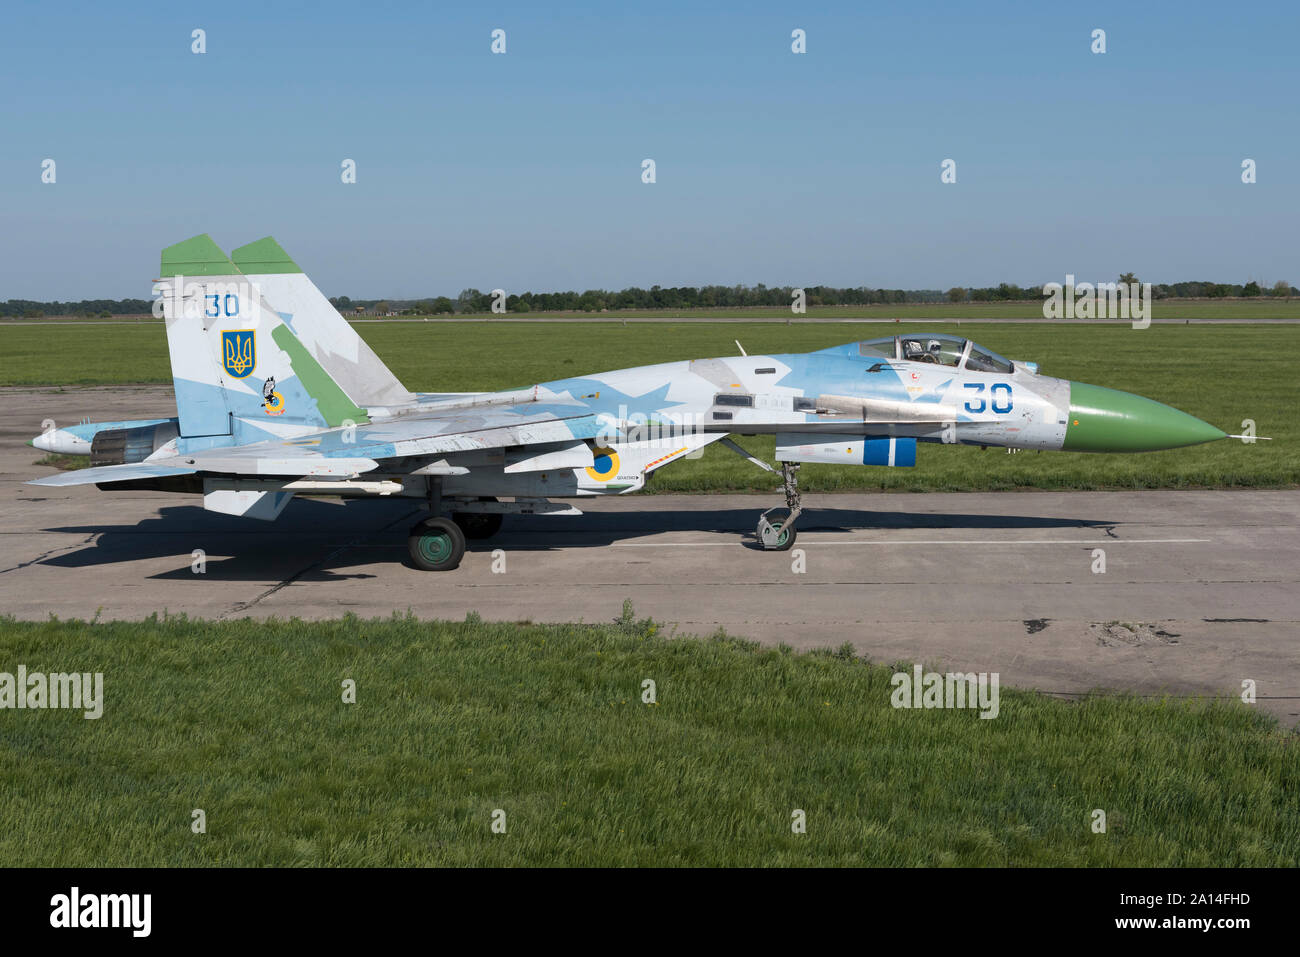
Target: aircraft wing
x=411, y=436
x=345, y=452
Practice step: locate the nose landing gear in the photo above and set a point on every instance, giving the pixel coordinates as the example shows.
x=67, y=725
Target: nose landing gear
x=778, y=534
x=775, y=534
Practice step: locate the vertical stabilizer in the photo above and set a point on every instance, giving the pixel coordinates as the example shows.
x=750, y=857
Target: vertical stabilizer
x=329, y=337
x=240, y=373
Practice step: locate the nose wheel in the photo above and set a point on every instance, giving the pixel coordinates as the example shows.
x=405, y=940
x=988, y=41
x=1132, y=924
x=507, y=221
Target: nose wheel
x=775, y=535
x=776, y=532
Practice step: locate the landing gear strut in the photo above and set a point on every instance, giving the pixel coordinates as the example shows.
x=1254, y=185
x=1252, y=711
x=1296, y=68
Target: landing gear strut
x=778, y=534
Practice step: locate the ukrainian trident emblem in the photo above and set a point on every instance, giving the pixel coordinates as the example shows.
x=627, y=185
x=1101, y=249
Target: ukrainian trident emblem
x=237, y=352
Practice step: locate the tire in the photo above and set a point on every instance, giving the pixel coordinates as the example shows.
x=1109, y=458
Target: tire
x=436, y=545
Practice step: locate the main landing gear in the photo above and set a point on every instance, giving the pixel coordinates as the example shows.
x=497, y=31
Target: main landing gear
x=437, y=544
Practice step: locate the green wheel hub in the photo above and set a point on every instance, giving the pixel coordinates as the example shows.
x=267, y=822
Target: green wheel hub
x=436, y=547
x=785, y=535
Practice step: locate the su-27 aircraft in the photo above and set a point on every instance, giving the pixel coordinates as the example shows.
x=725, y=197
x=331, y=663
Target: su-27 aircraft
x=277, y=396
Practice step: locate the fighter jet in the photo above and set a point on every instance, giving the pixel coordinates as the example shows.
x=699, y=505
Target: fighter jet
x=277, y=396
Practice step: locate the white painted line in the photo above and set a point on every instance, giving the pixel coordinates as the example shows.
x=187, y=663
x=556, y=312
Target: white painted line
x=1036, y=541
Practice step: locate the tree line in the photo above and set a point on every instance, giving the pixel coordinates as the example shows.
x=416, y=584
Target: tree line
x=670, y=297
x=742, y=297
x=32, y=309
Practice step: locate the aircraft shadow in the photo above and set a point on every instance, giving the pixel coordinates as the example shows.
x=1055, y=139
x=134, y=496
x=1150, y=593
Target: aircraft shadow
x=318, y=541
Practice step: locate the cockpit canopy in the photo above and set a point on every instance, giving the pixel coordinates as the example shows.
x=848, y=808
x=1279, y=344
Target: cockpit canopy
x=937, y=348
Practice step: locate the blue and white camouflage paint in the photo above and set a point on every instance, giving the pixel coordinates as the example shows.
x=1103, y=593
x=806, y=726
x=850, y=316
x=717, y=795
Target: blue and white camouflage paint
x=277, y=396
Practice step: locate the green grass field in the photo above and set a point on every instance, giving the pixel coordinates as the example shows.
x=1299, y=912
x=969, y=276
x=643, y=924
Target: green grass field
x=453, y=721
x=1221, y=373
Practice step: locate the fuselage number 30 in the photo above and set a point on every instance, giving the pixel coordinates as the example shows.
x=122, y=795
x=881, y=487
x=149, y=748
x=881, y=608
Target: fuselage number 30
x=999, y=400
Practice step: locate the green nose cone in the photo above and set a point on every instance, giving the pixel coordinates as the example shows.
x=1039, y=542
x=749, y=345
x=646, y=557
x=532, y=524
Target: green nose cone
x=1107, y=420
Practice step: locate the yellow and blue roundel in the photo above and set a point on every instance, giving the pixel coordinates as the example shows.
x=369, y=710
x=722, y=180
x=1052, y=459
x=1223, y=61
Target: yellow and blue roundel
x=238, y=354
x=606, y=465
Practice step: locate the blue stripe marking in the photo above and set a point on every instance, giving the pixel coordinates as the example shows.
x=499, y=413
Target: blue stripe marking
x=877, y=452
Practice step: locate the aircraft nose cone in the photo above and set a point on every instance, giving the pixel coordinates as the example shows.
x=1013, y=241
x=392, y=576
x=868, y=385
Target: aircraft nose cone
x=1107, y=420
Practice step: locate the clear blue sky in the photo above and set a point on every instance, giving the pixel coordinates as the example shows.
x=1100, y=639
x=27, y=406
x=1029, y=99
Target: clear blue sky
x=522, y=171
